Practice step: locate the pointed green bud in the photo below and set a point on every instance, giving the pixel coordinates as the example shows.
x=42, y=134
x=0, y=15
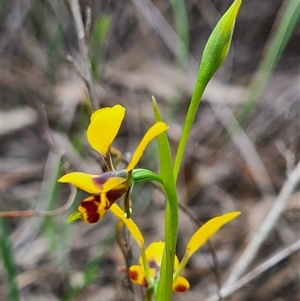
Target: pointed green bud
x=218, y=44
x=144, y=175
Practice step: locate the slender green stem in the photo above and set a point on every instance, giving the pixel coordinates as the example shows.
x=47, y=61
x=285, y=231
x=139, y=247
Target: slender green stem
x=190, y=116
x=181, y=266
x=214, y=54
x=164, y=289
x=146, y=267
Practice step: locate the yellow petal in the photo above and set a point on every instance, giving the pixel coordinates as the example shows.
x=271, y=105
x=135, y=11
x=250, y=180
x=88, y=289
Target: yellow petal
x=137, y=275
x=207, y=230
x=104, y=126
x=180, y=285
x=154, y=253
x=95, y=184
x=130, y=224
x=74, y=216
x=154, y=131
x=111, y=183
x=82, y=181
x=93, y=208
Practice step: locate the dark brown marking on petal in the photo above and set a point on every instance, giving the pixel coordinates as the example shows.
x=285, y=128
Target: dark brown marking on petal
x=93, y=218
x=89, y=208
x=145, y=282
x=102, y=178
x=113, y=195
x=97, y=199
x=180, y=288
x=153, y=265
x=133, y=275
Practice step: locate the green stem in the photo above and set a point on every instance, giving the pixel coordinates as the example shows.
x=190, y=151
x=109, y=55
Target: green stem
x=214, y=54
x=190, y=116
x=146, y=267
x=164, y=289
x=181, y=266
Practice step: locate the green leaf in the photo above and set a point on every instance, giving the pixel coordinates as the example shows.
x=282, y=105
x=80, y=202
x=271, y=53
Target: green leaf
x=8, y=261
x=164, y=289
x=101, y=28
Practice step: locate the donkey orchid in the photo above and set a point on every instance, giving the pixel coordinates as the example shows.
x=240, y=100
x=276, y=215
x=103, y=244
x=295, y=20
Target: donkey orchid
x=147, y=273
x=105, y=188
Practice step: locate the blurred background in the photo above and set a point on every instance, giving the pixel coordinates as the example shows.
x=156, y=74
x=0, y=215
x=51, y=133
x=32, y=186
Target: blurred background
x=137, y=49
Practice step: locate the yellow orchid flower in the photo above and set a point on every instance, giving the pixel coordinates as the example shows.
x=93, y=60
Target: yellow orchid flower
x=147, y=272
x=108, y=186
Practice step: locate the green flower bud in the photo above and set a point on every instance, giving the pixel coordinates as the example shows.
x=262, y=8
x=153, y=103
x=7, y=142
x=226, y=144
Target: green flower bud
x=218, y=44
x=144, y=175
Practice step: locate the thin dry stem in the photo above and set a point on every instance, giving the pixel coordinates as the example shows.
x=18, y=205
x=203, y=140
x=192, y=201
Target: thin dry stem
x=86, y=71
x=272, y=261
x=269, y=223
x=30, y=213
x=247, y=150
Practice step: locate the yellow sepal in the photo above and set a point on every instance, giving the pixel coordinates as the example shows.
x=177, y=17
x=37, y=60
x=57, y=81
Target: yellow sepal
x=104, y=126
x=207, y=230
x=180, y=285
x=154, y=131
x=130, y=224
x=82, y=181
x=137, y=275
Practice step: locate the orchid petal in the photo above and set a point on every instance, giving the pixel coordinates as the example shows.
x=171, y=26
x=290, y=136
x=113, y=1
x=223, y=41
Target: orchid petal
x=95, y=184
x=207, y=230
x=154, y=131
x=154, y=253
x=82, y=181
x=130, y=224
x=104, y=126
x=137, y=275
x=180, y=285
x=93, y=208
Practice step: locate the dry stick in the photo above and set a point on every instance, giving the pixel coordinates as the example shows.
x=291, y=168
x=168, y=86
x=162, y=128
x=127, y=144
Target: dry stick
x=247, y=150
x=59, y=151
x=281, y=255
x=161, y=26
x=86, y=71
x=125, y=251
x=30, y=213
x=277, y=208
x=287, y=154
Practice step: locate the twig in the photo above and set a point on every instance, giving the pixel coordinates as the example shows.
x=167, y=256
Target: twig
x=287, y=154
x=86, y=71
x=30, y=213
x=88, y=21
x=161, y=26
x=268, y=224
x=226, y=291
x=247, y=150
